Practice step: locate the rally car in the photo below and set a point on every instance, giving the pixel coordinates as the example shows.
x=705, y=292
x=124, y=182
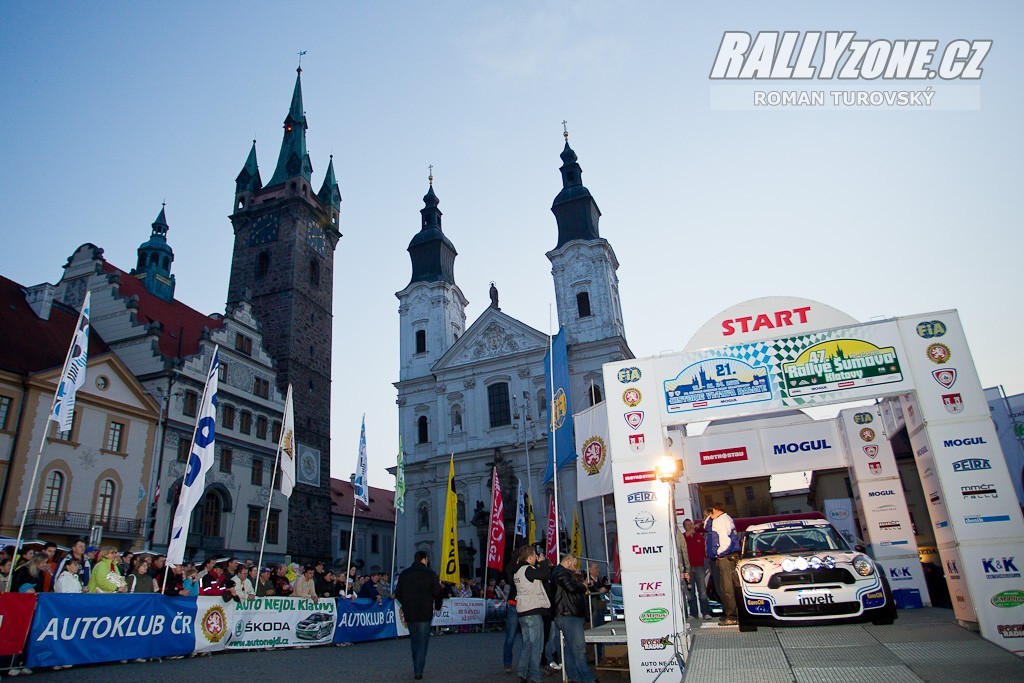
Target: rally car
x=799, y=570
x=316, y=626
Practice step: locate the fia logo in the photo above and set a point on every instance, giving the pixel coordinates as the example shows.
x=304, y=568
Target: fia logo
x=930, y=329
x=629, y=375
x=863, y=418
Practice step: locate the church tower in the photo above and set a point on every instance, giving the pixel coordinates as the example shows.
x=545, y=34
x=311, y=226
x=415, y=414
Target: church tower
x=155, y=259
x=283, y=264
x=583, y=264
x=432, y=309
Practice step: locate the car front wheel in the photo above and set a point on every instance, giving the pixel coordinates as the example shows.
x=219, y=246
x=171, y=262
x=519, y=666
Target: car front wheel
x=747, y=623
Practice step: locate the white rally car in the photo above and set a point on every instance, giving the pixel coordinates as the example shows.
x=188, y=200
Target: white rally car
x=798, y=570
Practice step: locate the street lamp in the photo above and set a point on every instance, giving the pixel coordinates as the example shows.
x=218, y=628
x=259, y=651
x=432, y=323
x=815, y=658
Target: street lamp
x=527, y=420
x=668, y=470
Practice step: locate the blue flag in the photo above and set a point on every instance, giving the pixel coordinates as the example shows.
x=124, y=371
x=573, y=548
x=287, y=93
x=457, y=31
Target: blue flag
x=560, y=435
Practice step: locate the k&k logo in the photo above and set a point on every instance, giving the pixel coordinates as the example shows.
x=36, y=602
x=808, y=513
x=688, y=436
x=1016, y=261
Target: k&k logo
x=1000, y=568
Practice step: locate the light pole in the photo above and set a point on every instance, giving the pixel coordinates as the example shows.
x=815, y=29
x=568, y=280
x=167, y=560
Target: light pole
x=668, y=471
x=526, y=418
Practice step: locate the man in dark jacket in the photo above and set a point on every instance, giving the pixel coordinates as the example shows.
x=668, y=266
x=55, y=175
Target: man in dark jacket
x=419, y=593
x=570, y=612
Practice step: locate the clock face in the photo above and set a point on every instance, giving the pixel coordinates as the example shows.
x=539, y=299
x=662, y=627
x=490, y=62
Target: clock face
x=308, y=464
x=315, y=237
x=264, y=230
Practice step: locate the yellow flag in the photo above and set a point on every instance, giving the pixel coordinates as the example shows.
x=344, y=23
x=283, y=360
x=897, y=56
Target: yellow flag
x=531, y=522
x=450, y=532
x=577, y=541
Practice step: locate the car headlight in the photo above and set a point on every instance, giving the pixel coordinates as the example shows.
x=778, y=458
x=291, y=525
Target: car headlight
x=863, y=565
x=751, y=573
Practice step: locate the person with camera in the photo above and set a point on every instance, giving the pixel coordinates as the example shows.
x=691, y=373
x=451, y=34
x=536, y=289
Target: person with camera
x=570, y=613
x=531, y=604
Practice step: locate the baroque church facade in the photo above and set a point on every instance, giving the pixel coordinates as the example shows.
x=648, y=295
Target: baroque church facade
x=478, y=392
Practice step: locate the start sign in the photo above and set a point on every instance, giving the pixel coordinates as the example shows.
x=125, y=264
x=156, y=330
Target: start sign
x=766, y=318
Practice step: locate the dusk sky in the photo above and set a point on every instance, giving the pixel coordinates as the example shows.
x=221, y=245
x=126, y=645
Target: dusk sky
x=112, y=108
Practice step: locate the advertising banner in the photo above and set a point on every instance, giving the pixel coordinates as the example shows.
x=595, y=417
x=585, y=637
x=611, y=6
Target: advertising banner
x=281, y=622
x=594, y=466
x=801, y=446
x=839, y=512
x=995, y=578
x=15, y=618
x=718, y=457
x=87, y=629
x=453, y=612
x=213, y=622
x=765, y=318
x=870, y=453
x=651, y=621
x=363, y=619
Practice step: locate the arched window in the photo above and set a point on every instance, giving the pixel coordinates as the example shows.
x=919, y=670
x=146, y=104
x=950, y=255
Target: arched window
x=105, y=500
x=209, y=520
x=422, y=432
x=314, y=272
x=154, y=260
x=167, y=263
x=595, y=394
x=421, y=341
x=262, y=264
x=583, y=304
x=52, y=490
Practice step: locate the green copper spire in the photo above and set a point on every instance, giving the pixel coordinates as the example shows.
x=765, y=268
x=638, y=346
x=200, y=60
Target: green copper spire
x=248, y=179
x=329, y=192
x=293, y=159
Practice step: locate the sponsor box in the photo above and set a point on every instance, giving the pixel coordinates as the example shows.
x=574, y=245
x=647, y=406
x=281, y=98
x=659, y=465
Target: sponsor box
x=935, y=499
x=954, y=567
x=650, y=623
x=870, y=453
x=995, y=576
x=800, y=447
x=905, y=573
x=717, y=457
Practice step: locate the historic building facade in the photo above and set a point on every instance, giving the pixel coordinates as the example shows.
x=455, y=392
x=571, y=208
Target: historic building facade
x=478, y=392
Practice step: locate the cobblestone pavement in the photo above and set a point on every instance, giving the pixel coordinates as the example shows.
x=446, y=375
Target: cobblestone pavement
x=923, y=645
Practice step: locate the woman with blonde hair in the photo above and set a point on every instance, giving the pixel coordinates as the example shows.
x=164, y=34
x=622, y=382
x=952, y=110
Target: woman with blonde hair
x=106, y=574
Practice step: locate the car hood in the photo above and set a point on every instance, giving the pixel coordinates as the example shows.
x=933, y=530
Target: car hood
x=803, y=561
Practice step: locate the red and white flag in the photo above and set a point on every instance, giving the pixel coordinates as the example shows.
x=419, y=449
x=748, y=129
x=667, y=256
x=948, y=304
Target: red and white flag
x=496, y=542
x=552, y=534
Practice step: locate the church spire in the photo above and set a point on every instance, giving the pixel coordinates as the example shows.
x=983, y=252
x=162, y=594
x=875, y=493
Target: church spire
x=329, y=192
x=248, y=179
x=293, y=159
x=432, y=253
x=575, y=210
x=155, y=258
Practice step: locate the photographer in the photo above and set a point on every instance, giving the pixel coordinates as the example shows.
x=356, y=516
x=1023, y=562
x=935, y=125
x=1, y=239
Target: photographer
x=531, y=604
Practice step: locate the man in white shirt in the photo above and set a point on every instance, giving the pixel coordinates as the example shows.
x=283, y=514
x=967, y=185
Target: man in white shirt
x=724, y=546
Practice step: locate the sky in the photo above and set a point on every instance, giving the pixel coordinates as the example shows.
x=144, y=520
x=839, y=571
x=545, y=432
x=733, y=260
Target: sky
x=112, y=108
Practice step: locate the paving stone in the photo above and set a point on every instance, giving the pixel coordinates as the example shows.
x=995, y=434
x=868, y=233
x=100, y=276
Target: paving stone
x=855, y=656
x=920, y=633
x=825, y=636
x=720, y=637
x=737, y=659
x=860, y=674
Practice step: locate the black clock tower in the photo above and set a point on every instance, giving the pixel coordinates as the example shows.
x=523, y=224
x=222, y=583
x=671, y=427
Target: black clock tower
x=283, y=263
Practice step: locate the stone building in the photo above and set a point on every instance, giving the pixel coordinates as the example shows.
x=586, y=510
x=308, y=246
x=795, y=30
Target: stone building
x=479, y=391
x=373, y=539
x=90, y=477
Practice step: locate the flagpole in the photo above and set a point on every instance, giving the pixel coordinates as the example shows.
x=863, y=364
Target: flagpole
x=552, y=430
x=270, y=499
x=351, y=536
x=487, y=552
x=64, y=376
x=394, y=551
x=399, y=491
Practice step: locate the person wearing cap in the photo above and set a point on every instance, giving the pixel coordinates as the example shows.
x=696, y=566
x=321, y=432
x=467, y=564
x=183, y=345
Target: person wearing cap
x=319, y=577
x=264, y=586
x=304, y=586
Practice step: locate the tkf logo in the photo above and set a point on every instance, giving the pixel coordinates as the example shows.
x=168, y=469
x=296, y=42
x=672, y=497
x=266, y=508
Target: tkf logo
x=867, y=434
x=651, y=589
x=634, y=418
x=654, y=615
x=1000, y=568
x=632, y=397
x=931, y=328
x=863, y=418
x=816, y=445
x=953, y=403
x=644, y=520
x=870, y=451
x=647, y=549
x=979, y=491
x=969, y=441
x=594, y=454
x=1014, y=598
x=641, y=497
x=946, y=377
x=900, y=574
x=938, y=353
x=629, y=375
x=971, y=464
x=636, y=442
x=655, y=643
x=875, y=494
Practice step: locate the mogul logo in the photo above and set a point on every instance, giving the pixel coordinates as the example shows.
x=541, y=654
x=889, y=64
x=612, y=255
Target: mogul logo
x=953, y=403
x=946, y=377
x=648, y=549
x=841, y=364
x=1012, y=598
x=876, y=494
x=641, y=497
x=871, y=451
x=632, y=397
x=823, y=599
x=863, y=418
x=654, y=615
x=794, y=447
x=969, y=441
x=716, y=382
x=723, y=455
x=644, y=520
x=979, y=491
x=938, y=353
x=594, y=453
x=629, y=375
x=931, y=329
x=825, y=55
x=1000, y=568
x=636, y=442
x=867, y=434
x=971, y=464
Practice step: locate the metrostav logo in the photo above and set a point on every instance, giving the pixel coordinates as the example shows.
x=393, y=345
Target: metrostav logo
x=796, y=55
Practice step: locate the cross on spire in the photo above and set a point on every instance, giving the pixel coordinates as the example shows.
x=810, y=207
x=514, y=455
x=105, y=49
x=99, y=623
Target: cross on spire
x=565, y=130
x=430, y=177
x=302, y=52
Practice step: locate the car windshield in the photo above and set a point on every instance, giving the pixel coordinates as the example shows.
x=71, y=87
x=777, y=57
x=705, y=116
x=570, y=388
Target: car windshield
x=797, y=540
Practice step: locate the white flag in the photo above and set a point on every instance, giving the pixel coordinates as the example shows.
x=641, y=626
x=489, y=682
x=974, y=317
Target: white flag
x=287, y=446
x=594, y=466
x=362, y=490
x=73, y=375
x=200, y=460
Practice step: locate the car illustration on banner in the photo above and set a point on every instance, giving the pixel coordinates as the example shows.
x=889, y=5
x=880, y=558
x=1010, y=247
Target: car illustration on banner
x=318, y=626
x=804, y=570
x=716, y=382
